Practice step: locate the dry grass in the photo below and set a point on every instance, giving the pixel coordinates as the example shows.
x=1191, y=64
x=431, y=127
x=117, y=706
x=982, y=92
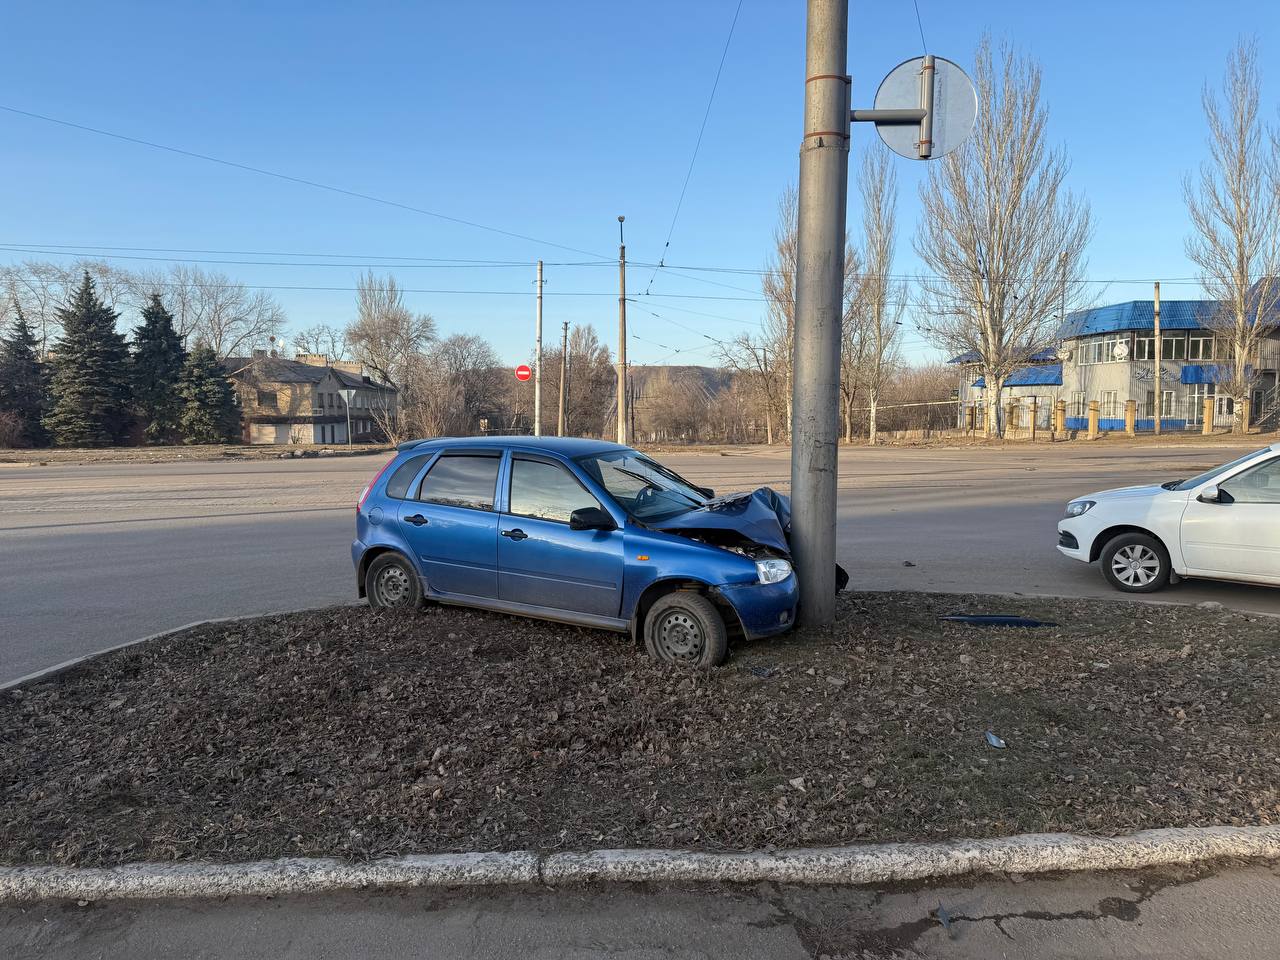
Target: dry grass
x=358, y=734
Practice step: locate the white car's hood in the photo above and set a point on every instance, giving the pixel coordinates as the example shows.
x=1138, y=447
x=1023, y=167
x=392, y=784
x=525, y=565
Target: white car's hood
x=1126, y=493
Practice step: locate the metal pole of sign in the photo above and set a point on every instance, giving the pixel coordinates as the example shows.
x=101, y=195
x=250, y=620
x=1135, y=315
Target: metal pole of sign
x=824, y=178
x=347, y=396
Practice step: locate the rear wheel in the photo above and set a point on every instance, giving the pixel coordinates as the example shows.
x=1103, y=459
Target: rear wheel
x=391, y=581
x=686, y=628
x=1136, y=563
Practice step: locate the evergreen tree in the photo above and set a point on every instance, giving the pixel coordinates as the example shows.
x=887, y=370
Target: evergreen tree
x=210, y=413
x=158, y=359
x=90, y=384
x=23, y=390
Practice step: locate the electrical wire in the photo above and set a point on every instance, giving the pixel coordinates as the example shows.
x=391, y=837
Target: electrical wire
x=698, y=143
x=924, y=47
x=291, y=179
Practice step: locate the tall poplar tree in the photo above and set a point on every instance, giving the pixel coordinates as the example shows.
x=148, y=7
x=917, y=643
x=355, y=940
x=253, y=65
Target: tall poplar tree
x=158, y=360
x=90, y=384
x=23, y=389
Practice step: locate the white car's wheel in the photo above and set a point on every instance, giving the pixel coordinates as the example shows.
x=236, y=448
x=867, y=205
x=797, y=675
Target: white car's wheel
x=1136, y=563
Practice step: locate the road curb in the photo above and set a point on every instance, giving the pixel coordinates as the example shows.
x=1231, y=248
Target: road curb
x=855, y=865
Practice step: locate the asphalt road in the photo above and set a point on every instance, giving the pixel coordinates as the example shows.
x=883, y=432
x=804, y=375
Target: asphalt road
x=95, y=555
x=1172, y=915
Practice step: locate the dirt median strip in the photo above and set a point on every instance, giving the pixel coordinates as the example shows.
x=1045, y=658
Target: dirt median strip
x=345, y=733
x=860, y=865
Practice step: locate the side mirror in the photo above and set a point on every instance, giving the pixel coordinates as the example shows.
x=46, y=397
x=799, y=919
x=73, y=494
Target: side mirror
x=591, y=518
x=1210, y=494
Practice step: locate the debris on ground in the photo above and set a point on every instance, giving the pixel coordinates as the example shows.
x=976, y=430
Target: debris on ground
x=356, y=733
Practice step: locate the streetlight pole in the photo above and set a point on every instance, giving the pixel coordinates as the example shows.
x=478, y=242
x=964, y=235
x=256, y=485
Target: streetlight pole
x=824, y=179
x=537, y=363
x=622, y=335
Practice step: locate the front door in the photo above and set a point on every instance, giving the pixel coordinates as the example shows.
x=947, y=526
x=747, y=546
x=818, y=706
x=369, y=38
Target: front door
x=544, y=563
x=1239, y=537
x=452, y=526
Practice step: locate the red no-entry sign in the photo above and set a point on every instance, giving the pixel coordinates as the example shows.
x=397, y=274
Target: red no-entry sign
x=523, y=372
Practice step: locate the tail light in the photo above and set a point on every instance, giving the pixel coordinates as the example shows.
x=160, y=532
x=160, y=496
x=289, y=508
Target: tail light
x=364, y=494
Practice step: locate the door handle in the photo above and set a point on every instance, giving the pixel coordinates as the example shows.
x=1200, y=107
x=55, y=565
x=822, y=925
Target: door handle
x=516, y=534
x=417, y=520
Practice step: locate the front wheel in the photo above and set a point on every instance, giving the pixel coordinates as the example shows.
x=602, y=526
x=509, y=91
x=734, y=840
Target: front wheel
x=1136, y=563
x=391, y=581
x=686, y=628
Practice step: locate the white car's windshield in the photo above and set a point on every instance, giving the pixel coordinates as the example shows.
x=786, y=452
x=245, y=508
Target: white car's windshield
x=1216, y=471
x=644, y=488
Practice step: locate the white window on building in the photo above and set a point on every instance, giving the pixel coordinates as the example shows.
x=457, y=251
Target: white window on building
x=1077, y=403
x=1167, y=403
x=1200, y=346
x=1110, y=406
x=1173, y=347
x=1144, y=348
x=1113, y=348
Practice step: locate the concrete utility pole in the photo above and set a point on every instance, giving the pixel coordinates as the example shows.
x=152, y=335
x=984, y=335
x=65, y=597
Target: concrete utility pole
x=564, y=374
x=537, y=362
x=1159, y=349
x=622, y=336
x=824, y=180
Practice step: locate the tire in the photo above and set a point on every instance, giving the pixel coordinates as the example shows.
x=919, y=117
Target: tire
x=1136, y=563
x=392, y=583
x=686, y=628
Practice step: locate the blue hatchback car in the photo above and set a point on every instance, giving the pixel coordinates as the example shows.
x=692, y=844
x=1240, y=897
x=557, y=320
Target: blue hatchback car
x=579, y=531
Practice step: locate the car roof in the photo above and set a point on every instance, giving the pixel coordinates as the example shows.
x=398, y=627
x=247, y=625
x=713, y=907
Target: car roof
x=564, y=446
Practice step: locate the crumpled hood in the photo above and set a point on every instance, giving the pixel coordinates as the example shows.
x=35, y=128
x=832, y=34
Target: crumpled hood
x=763, y=515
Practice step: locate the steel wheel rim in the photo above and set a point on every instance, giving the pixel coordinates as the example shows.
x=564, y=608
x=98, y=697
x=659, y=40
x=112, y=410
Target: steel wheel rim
x=680, y=637
x=392, y=586
x=1135, y=565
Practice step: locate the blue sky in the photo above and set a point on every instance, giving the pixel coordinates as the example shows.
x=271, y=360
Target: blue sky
x=549, y=120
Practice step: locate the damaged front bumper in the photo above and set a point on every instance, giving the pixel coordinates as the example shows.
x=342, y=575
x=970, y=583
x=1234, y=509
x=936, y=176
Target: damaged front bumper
x=764, y=609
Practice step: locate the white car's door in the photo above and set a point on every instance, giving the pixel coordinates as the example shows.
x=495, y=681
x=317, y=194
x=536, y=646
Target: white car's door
x=1239, y=537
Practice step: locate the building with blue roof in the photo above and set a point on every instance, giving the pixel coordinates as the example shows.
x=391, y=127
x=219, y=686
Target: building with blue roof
x=1107, y=354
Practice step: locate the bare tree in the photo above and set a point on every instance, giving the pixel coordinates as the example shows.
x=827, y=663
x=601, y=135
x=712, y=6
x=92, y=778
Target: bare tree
x=1234, y=205
x=854, y=342
x=1000, y=230
x=39, y=288
x=322, y=339
x=779, y=287
x=756, y=371
x=210, y=308
x=386, y=335
x=882, y=298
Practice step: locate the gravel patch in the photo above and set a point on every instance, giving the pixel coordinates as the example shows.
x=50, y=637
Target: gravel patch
x=359, y=734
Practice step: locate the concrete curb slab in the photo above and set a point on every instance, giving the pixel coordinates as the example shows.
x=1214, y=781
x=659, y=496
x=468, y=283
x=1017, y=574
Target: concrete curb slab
x=855, y=865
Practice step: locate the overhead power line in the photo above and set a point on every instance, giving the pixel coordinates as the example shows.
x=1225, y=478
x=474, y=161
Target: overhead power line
x=262, y=171
x=711, y=98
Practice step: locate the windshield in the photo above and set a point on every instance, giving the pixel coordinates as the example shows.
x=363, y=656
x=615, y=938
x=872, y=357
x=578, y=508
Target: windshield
x=1216, y=471
x=644, y=488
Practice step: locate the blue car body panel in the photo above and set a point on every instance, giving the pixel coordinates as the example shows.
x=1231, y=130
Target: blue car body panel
x=592, y=577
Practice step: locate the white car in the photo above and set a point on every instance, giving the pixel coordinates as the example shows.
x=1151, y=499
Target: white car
x=1221, y=525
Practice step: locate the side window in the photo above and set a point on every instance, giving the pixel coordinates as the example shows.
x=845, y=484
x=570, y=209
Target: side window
x=398, y=485
x=1258, y=485
x=461, y=481
x=546, y=491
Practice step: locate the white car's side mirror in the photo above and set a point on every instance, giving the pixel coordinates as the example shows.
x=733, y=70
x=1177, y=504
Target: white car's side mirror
x=1210, y=494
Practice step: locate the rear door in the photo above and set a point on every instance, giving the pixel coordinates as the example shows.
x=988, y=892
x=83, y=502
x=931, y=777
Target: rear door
x=1238, y=538
x=451, y=524
x=540, y=560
